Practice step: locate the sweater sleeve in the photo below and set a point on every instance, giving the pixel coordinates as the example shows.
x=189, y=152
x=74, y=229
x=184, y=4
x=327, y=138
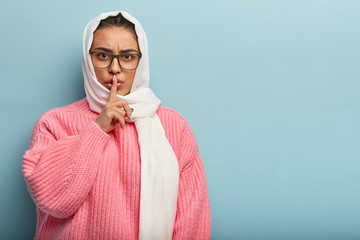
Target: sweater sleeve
x=60, y=172
x=193, y=218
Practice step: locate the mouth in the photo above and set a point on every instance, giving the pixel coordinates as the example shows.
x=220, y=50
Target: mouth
x=119, y=83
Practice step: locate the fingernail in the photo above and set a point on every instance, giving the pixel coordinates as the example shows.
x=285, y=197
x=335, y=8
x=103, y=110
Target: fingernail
x=113, y=77
x=131, y=117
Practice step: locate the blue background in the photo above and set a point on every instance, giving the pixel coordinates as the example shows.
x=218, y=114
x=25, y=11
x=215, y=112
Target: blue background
x=270, y=88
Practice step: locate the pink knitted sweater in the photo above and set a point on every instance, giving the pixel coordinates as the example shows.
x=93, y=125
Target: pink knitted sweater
x=86, y=183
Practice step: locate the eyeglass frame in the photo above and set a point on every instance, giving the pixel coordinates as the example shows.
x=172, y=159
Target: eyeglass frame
x=118, y=58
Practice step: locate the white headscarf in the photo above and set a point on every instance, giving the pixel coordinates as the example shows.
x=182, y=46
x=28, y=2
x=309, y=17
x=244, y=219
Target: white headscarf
x=159, y=166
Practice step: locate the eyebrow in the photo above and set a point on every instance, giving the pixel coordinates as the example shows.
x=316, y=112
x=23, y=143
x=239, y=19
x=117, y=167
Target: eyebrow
x=110, y=51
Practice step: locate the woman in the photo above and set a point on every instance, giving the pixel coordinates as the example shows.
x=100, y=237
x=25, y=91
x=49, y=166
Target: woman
x=116, y=164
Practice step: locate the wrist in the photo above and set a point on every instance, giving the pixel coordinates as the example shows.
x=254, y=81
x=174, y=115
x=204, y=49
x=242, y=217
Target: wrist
x=100, y=126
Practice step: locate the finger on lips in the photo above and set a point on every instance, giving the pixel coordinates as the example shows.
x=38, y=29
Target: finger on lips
x=112, y=95
x=117, y=109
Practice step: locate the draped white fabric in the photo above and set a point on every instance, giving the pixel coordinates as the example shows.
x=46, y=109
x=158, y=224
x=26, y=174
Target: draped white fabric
x=159, y=166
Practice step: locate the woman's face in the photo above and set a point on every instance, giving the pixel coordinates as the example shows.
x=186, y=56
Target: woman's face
x=115, y=40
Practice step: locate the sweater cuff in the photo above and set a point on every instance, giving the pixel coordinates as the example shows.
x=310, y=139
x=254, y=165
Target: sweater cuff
x=97, y=130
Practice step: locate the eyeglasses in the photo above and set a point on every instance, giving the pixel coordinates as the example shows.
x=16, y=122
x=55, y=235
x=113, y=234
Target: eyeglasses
x=127, y=61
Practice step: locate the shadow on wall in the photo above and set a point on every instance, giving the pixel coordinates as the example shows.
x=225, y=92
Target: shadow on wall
x=18, y=211
x=18, y=219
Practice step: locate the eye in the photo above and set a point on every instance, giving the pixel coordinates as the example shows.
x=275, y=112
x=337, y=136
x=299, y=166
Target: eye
x=102, y=55
x=127, y=57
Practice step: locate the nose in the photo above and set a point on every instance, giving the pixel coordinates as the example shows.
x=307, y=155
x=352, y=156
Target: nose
x=115, y=66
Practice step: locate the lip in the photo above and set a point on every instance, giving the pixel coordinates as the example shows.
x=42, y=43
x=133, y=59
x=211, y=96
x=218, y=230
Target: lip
x=119, y=83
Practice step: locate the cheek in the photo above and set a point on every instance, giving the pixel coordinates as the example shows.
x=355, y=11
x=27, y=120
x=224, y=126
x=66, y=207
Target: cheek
x=130, y=77
x=99, y=75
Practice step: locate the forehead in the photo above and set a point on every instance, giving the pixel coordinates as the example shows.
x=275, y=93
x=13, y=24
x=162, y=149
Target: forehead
x=115, y=38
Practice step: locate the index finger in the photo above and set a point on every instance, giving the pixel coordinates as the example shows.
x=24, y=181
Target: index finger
x=112, y=95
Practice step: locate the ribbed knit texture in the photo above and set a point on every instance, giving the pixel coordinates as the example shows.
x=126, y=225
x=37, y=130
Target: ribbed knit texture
x=86, y=183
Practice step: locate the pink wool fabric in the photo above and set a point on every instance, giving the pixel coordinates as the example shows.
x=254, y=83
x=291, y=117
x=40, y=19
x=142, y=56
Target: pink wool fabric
x=86, y=183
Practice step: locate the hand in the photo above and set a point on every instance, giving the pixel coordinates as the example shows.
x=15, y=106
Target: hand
x=114, y=111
